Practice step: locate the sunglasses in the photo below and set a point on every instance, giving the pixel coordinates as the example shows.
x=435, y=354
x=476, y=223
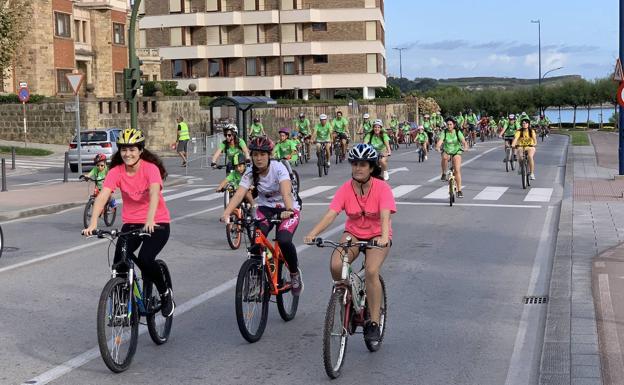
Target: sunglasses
x=101, y=165
x=229, y=135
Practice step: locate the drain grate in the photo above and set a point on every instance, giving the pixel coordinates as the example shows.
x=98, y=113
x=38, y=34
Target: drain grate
x=533, y=300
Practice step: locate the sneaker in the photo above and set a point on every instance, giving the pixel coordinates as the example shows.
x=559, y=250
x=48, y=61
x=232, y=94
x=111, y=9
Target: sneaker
x=505, y=160
x=532, y=176
x=386, y=176
x=425, y=157
x=328, y=163
x=371, y=332
x=460, y=194
x=183, y=164
x=168, y=305
x=296, y=283
x=443, y=177
x=113, y=203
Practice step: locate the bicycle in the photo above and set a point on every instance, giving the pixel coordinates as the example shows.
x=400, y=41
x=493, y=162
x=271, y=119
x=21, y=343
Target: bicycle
x=305, y=150
x=1, y=241
x=338, y=150
x=471, y=138
x=109, y=213
x=348, y=308
x=421, y=152
x=122, y=303
x=450, y=176
x=263, y=274
x=234, y=228
x=543, y=132
x=509, y=159
x=294, y=176
x=523, y=163
x=321, y=162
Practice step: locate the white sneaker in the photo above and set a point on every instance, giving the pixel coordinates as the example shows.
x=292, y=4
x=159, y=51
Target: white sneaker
x=386, y=176
x=328, y=163
x=532, y=176
x=425, y=157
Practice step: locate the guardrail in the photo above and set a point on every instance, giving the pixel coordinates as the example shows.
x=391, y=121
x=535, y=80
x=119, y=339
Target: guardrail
x=200, y=150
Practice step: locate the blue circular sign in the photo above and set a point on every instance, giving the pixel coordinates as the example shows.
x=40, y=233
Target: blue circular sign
x=23, y=94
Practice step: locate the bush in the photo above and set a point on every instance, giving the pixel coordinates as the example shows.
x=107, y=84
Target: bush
x=169, y=88
x=204, y=101
x=12, y=99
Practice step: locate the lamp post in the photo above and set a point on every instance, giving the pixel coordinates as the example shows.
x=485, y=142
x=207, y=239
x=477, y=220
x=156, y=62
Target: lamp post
x=400, y=60
x=133, y=60
x=549, y=71
x=539, y=45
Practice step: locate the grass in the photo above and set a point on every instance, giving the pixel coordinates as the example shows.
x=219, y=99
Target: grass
x=578, y=138
x=25, y=151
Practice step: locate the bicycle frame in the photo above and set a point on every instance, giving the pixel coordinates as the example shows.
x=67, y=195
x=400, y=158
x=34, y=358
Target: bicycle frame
x=263, y=241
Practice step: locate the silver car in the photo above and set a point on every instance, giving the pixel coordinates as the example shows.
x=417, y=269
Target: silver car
x=93, y=142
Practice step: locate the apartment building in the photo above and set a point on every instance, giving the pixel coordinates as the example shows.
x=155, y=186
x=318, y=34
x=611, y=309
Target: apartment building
x=279, y=48
x=88, y=36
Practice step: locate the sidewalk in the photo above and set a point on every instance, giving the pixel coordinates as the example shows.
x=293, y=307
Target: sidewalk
x=592, y=221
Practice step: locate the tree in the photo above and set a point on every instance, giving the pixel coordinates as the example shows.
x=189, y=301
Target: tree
x=390, y=92
x=12, y=30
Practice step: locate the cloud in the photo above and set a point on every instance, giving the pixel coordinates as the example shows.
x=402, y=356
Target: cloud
x=489, y=45
x=434, y=61
x=500, y=58
x=549, y=60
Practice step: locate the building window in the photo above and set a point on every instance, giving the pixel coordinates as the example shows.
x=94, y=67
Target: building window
x=119, y=83
x=251, y=69
x=217, y=68
x=371, y=63
x=62, y=85
x=319, y=27
x=178, y=68
x=119, y=36
x=175, y=6
x=320, y=59
x=62, y=24
x=289, y=65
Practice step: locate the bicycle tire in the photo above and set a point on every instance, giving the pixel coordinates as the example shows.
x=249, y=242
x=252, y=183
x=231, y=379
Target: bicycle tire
x=523, y=173
x=118, y=287
x=451, y=192
x=320, y=161
x=110, y=213
x=233, y=233
x=333, y=362
x=226, y=198
x=295, y=183
x=374, y=346
x=252, y=267
x=337, y=153
x=1, y=241
x=158, y=336
x=286, y=302
x=512, y=163
x=88, y=212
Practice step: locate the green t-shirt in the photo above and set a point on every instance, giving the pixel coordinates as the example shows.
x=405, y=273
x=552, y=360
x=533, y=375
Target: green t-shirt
x=471, y=119
x=303, y=126
x=394, y=124
x=460, y=121
x=323, y=133
x=427, y=125
x=452, y=142
x=367, y=126
x=378, y=143
x=422, y=137
x=340, y=125
x=256, y=129
x=406, y=128
x=493, y=123
x=286, y=148
x=232, y=151
x=544, y=122
x=98, y=176
x=510, y=128
x=234, y=177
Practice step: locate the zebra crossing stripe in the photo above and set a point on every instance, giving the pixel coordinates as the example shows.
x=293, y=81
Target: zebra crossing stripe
x=539, y=195
x=491, y=193
x=404, y=189
x=208, y=197
x=314, y=190
x=186, y=194
x=441, y=193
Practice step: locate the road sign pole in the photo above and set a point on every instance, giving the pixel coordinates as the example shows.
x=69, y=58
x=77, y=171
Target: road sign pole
x=25, y=127
x=78, y=134
x=621, y=109
x=133, y=59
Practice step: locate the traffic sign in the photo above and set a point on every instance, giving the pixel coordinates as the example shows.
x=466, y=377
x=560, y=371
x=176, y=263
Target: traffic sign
x=618, y=74
x=23, y=84
x=23, y=94
x=75, y=81
x=620, y=94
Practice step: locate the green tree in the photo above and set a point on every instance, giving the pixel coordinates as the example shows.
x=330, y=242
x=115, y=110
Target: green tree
x=390, y=92
x=13, y=27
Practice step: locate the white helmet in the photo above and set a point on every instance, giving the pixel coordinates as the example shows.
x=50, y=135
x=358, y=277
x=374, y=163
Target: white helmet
x=366, y=116
x=231, y=127
x=323, y=117
x=378, y=122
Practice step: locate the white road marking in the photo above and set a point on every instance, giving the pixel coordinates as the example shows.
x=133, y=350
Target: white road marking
x=93, y=353
x=209, y=197
x=441, y=193
x=314, y=190
x=404, y=189
x=491, y=193
x=539, y=195
x=467, y=162
x=468, y=205
x=186, y=194
x=395, y=170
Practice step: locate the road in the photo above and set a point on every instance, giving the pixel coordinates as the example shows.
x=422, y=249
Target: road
x=456, y=279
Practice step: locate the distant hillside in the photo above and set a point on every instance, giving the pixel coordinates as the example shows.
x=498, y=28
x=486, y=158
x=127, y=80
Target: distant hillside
x=476, y=83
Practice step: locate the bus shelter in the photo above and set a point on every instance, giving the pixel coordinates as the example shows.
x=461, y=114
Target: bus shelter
x=239, y=110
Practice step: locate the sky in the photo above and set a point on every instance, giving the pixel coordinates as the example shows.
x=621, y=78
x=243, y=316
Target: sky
x=459, y=38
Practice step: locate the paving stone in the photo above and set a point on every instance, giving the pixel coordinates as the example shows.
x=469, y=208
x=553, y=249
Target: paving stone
x=586, y=371
x=580, y=348
x=586, y=381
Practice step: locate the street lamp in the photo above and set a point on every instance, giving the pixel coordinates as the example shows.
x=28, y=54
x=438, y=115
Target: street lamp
x=549, y=71
x=539, y=42
x=400, y=60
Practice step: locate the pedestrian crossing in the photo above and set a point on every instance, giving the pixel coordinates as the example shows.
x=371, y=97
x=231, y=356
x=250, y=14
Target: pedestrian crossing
x=37, y=164
x=404, y=192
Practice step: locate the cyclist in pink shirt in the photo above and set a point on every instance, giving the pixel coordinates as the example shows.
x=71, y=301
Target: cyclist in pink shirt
x=368, y=202
x=139, y=174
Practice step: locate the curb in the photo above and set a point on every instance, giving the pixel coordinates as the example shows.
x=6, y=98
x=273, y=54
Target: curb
x=55, y=208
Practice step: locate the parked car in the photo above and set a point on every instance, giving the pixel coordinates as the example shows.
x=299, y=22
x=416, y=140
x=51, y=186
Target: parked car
x=93, y=142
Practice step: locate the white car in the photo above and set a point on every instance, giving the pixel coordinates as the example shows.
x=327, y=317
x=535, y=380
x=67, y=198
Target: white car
x=93, y=142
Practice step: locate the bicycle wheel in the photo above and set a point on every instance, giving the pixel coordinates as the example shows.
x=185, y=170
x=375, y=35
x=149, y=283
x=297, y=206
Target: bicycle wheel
x=117, y=325
x=88, y=211
x=158, y=326
x=252, y=300
x=287, y=303
x=451, y=192
x=337, y=152
x=295, y=182
x=226, y=198
x=335, y=334
x=383, y=309
x=320, y=162
x=1, y=242
x=233, y=232
x=110, y=213
x=523, y=173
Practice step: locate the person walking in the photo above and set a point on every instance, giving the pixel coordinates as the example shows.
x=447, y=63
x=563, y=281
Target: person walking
x=183, y=138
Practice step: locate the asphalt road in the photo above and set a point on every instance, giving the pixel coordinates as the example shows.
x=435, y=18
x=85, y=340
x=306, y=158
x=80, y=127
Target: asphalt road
x=456, y=278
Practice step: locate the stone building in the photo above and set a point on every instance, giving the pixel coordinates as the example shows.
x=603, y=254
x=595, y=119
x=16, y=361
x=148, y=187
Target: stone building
x=280, y=48
x=88, y=36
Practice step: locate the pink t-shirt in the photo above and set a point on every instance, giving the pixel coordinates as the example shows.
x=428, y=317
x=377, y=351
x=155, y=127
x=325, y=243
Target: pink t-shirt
x=135, y=192
x=365, y=226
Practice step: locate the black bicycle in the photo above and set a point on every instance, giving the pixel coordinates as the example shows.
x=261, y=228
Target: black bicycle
x=509, y=159
x=109, y=213
x=321, y=161
x=338, y=150
x=524, y=168
x=122, y=303
x=1, y=241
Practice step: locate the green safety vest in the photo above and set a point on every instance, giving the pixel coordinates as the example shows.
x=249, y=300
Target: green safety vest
x=183, y=131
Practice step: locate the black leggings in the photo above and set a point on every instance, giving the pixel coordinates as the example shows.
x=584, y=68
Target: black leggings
x=150, y=247
x=285, y=233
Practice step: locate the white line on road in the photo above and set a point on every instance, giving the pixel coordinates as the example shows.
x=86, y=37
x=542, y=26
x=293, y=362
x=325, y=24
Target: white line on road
x=314, y=190
x=491, y=193
x=189, y=305
x=186, y=194
x=404, y=189
x=441, y=193
x=539, y=195
x=612, y=349
x=206, y=198
x=454, y=204
x=467, y=162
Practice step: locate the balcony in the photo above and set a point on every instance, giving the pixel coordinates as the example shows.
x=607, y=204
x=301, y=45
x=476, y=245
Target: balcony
x=220, y=51
x=333, y=48
x=103, y=4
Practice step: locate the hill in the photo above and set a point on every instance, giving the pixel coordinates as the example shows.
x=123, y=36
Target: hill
x=476, y=83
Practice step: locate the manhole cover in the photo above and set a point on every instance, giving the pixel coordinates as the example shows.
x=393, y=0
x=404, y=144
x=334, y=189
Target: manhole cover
x=534, y=300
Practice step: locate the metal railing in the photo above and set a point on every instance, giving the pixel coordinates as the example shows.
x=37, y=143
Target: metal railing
x=201, y=147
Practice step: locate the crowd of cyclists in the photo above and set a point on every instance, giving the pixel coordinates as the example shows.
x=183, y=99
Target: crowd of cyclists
x=261, y=179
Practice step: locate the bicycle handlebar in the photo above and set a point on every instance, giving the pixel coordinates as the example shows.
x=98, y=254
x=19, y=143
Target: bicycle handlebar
x=118, y=234
x=320, y=242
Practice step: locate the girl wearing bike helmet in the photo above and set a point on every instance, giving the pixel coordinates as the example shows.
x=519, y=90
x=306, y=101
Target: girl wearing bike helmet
x=368, y=203
x=286, y=148
x=525, y=139
x=139, y=174
x=272, y=191
x=452, y=143
x=232, y=146
x=381, y=142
